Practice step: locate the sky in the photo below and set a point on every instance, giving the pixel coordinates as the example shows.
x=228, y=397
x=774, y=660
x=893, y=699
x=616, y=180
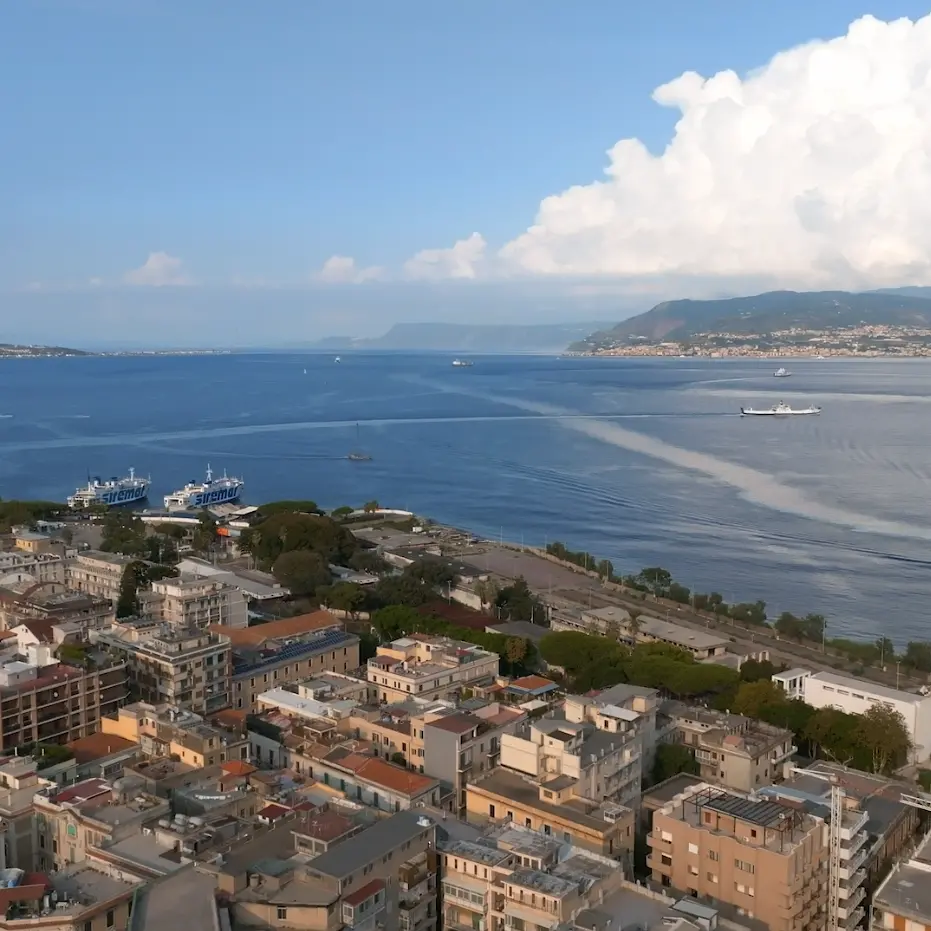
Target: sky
x=225, y=172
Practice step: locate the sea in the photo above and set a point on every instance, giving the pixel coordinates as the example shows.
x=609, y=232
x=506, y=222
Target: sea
x=645, y=462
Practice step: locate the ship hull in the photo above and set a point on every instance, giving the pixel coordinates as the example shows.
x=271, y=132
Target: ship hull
x=749, y=412
x=204, y=499
x=110, y=498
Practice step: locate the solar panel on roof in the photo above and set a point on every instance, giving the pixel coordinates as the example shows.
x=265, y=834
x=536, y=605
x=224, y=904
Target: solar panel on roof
x=764, y=814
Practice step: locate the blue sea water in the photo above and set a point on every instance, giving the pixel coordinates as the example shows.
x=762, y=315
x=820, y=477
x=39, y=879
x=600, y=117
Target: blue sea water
x=644, y=462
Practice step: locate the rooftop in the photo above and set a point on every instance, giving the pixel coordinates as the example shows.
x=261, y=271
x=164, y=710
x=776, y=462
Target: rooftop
x=539, y=881
x=478, y=853
x=83, y=885
x=381, y=773
x=372, y=844
x=869, y=688
x=273, y=630
x=97, y=746
x=157, y=908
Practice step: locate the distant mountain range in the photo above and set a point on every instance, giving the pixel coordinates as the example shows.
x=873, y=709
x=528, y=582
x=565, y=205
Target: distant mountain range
x=466, y=337
x=767, y=313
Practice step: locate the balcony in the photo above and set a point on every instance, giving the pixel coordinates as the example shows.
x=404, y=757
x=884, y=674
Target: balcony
x=848, y=831
x=660, y=864
x=781, y=755
x=850, y=865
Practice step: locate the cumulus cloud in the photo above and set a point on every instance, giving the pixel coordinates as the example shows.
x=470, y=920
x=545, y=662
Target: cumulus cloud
x=814, y=170
x=342, y=269
x=159, y=269
x=461, y=260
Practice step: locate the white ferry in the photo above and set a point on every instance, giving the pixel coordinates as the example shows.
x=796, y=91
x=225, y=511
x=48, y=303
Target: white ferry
x=782, y=373
x=114, y=492
x=204, y=494
x=461, y=363
x=779, y=410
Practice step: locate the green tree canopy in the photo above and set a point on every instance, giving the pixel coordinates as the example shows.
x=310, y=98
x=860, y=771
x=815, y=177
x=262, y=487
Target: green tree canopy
x=302, y=572
x=286, y=532
x=882, y=731
x=672, y=759
x=517, y=603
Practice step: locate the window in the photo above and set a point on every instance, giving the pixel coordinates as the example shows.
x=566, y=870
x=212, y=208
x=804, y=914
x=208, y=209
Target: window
x=491, y=811
x=740, y=887
x=713, y=855
x=712, y=877
x=693, y=848
x=745, y=866
x=111, y=918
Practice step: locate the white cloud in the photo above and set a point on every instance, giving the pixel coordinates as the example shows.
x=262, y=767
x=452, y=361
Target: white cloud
x=459, y=261
x=343, y=269
x=159, y=269
x=813, y=170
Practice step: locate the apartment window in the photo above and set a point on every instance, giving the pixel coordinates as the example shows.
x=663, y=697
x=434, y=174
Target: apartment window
x=693, y=870
x=740, y=887
x=713, y=855
x=712, y=877
x=491, y=811
x=666, y=836
x=745, y=866
x=111, y=918
x=750, y=890
x=693, y=848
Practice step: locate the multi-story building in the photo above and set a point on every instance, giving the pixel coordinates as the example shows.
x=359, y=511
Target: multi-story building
x=96, y=573
x=195, y=602
x=51, y=603
x=856, y=696
x=58, y=703
x=903, y=900
x=602, y=828
x=730, y=750
x=73, y=820
x=19, y=782
x=764, y=859
x=382, y=877
x=426, y=667
x=577, y=758
x=164, y=731
x=185, y=667
x=40, y=567
x=271, y=655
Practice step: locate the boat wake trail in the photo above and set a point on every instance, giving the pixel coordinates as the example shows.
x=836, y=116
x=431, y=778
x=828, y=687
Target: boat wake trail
x=753, y=485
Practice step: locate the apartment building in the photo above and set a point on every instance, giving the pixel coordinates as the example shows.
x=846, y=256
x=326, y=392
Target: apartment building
x=579, y=758
x=427, y=667
x=165, y=731
x=96, y=573
x=52, y=604
x=58, y=703
x=384, y=877
x=730, y=750
x=19, y=782
x=291, y=650
x=902, y=902
x=72, y=821
x=40, y=567
x=764, y=859
x=602, y=828
x=194, y=602
x=185, y=667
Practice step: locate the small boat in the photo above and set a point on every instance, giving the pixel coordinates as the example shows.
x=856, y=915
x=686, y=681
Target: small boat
x=461, y=363
x=782, y=373
x=357, y=456
x=819, y=357
x=305, y=371
x=779, y=410
x=336, y=360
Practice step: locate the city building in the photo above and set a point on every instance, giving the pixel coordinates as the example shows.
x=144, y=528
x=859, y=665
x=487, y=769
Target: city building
x=856, y=696
x=731, y=750
x=48, y=701
x=96, y=573
x=255, y=585
x=195, y=602
x=30, y=541
x=185, y=667
x=291, y=650
x=19, y=782
x=40, y=567
x=577, y=759
x=602, y=828
x=903, y=900
x=760, y=859
x=71, y=821
x=52, y=604
x=165, y=731
x=426, y=667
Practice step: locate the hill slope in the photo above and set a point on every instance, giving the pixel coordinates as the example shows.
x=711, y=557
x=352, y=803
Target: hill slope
x=465, y=337
x=766, y=313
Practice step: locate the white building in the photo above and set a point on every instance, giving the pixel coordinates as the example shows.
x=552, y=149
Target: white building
x=192, y=602
x=856, y=696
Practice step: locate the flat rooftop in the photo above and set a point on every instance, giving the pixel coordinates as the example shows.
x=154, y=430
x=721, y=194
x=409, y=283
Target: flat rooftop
x=867, y=688
x=185, y=898
x=906, y=891
x=83, y=884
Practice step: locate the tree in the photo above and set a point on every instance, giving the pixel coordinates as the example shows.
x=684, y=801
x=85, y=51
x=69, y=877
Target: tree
x=370, y=507
x=432, y=572
x=655, y=579
x=789, y=626
x=127, y=604
x=918, y=656
x=754, y=698
x=401, y=590
x=633, y=623
x=517, y=603
x=205, y=534
x=398, y=759
x=814, y=626
x=395, y=621
x=367, y=561
x=678, y=593
x=883, y=732
x=613, y=630
x=515, y=649
x=341, y=512
x=344, y=596
x=487, y=590
x=286, y=532
x=832, y=732
x=301, y=572
x=753, y=670
x=672, y=759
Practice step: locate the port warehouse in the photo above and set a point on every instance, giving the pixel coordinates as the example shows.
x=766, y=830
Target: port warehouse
x=235, y=520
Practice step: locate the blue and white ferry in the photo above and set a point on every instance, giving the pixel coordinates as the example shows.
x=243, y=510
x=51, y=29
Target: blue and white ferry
x=114, y=492
x=205, y=494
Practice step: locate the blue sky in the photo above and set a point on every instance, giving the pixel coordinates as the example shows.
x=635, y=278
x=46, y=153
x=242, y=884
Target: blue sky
x=239, y=146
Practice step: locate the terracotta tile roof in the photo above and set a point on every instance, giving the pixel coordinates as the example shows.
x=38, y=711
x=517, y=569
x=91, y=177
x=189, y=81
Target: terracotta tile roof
x=366, y=892
x=6, y=634
x=237, y=768
x=273, y=812
x=81, y=792
x=97, y=746
x=231, y=719
x=394, y=778
x=286, y=627
x=532, y=683
x=456, y=723
x=504, y=716
x=324, y=825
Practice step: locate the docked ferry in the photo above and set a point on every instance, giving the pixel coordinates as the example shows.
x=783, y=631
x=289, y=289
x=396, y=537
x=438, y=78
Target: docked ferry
x=114, y=492
x=205, y=494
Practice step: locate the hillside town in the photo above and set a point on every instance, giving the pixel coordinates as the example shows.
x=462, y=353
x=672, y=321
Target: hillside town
x=219, y=758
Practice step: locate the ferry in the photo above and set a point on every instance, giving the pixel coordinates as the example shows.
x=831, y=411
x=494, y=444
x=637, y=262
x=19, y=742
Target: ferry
x=204, y=494
x=461, y=363
x=114, y=492
x=779, y=410
x=782, y=373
